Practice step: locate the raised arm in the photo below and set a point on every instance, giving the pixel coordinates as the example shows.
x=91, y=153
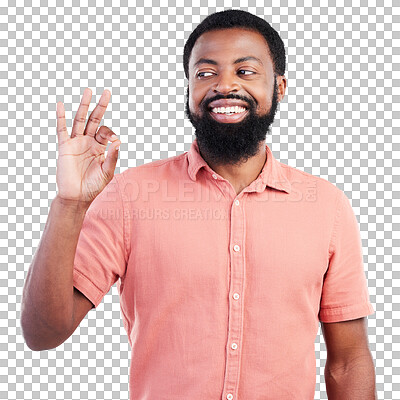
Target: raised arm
x=51, y=307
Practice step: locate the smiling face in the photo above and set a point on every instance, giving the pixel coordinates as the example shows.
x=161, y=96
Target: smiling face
x=232, y=68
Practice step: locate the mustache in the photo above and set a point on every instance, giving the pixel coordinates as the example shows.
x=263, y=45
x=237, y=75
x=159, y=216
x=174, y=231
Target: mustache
x=251, y=103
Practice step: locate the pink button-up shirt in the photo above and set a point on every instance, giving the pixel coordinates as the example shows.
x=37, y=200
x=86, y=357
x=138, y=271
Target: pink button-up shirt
x=222, y=294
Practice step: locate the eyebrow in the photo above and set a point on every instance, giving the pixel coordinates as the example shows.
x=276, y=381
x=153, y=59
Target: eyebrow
x=239, y=60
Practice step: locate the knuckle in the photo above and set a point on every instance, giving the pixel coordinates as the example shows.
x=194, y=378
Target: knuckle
x=61, y=129
x=105, y=131
x=100, y=135
x=80, y=119
x=94, y=119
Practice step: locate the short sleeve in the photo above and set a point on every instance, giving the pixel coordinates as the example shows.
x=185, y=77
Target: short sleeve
x=100, y=257
x=345, y=291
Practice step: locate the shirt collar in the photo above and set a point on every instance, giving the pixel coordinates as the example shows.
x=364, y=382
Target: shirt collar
x=273, y=173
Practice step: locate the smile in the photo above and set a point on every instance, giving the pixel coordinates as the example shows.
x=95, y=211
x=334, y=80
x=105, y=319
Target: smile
x=230, y=116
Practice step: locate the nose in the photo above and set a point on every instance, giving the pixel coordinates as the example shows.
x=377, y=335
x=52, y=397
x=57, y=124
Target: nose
x=226, y=82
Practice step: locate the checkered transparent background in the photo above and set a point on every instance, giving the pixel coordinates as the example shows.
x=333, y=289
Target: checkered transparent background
x=339, y=120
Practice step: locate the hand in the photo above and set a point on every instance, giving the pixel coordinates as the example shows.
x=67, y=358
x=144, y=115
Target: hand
x=82, y=169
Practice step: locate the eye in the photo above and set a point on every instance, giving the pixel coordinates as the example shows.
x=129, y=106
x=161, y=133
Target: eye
x=246, y=70
x=201, y=74
x=198, y=75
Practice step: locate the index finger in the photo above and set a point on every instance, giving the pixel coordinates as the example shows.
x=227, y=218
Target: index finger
x=97, y=114
x=62, y=132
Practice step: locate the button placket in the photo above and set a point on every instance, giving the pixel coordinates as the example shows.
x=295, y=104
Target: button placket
x=221, y=183
x=235, y=319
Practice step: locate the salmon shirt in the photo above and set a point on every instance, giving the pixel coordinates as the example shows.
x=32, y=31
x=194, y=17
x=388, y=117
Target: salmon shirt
x=222, y=294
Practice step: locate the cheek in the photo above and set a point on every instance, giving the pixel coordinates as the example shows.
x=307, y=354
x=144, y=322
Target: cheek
x=195, y=98
x=264, y=107
x=261, y=93
x=190, y=103
x=264, y=102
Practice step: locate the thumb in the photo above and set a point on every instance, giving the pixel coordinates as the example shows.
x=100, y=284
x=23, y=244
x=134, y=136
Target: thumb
x=110, y=162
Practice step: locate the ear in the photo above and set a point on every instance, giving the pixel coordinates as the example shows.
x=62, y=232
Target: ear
x=281, y=82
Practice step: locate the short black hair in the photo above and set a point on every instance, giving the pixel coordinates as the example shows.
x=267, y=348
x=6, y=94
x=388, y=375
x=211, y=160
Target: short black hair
x=229, y=19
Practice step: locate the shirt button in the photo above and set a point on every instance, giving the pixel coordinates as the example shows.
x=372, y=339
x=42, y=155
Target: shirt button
x=229, y=396
x=236, y=296
x=237, y=202
x=234, y=346
x=214, y=176
x=236, y=247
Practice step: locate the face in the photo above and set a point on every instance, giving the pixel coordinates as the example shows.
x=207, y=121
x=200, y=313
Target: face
x=232, y=68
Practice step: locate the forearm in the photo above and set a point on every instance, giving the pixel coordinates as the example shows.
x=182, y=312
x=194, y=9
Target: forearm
x=354, y=381
x=48, y=301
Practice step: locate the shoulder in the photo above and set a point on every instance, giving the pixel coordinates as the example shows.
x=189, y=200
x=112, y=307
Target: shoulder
x=309, y=183
x=155, y=168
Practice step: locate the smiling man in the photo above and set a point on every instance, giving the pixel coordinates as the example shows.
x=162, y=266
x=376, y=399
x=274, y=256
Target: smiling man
x=225, y=259
x=234, y=100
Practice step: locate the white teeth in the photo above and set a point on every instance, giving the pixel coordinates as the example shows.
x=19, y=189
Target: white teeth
x=228, y=110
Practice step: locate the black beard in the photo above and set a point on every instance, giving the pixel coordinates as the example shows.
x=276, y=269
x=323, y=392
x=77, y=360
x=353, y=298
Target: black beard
x=231, y=143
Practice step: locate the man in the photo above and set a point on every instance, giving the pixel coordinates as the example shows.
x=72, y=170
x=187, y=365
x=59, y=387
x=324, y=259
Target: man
x=225, y=259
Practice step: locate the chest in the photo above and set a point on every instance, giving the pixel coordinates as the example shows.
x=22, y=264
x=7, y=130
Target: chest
x=203, y=249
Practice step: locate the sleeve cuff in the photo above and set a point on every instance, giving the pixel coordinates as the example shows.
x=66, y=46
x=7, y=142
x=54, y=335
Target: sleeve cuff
x=87, y=287
x=346, y=313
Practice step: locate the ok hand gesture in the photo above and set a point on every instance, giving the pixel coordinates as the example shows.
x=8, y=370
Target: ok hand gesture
x=82, y=169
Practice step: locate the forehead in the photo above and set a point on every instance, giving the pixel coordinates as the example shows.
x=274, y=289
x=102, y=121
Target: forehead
x=227, y=45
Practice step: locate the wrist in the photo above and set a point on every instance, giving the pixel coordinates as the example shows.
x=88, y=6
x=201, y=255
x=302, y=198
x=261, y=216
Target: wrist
x=78, y=206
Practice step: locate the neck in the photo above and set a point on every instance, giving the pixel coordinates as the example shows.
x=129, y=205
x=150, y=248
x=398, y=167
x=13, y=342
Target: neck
x=241, y=175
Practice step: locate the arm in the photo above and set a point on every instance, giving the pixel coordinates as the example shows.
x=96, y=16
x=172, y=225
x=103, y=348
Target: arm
x=49, y=298
x=349, y=369
x=51, y=307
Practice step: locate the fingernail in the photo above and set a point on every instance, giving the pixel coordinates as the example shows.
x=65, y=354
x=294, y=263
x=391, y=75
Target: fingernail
x=117, y=148
x=114, y=137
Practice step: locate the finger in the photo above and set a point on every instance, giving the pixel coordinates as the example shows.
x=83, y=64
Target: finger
x=97, y=114
x=110, y=162
x=104, y=135
x=80, y=117
x=62, y=133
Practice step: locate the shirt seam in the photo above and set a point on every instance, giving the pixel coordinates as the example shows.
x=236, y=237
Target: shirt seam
x=129, y=330
x=126, y=228
x=335, y=228
x=125, y=220
x=76, y=269
x=344, y=307
x=152, y=165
